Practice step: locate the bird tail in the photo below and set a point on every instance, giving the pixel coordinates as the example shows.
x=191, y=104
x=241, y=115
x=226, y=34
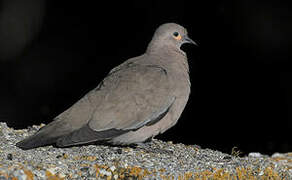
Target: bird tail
x=45, y=136
x=37, y=140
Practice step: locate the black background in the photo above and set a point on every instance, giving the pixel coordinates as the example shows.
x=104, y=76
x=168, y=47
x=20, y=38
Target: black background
x=240, y=73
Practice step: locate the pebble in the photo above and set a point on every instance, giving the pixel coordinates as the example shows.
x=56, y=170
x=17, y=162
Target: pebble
x=255, y=154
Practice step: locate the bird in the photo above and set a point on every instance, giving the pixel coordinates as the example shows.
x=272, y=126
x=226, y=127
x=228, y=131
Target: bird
x=137, y=100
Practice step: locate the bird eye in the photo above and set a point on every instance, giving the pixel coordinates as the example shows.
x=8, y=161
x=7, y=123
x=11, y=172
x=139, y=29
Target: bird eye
x=175, y=34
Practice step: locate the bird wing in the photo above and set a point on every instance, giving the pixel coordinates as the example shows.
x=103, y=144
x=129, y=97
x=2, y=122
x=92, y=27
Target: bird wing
x=127, y=99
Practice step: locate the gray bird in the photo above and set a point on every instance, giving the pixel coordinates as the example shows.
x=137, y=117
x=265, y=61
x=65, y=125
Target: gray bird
x=137, y=100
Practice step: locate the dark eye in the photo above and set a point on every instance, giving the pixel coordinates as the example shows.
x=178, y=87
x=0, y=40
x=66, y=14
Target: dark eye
x=175, y=34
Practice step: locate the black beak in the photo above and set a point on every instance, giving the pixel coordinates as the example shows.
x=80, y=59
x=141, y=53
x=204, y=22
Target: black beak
x=189, y=40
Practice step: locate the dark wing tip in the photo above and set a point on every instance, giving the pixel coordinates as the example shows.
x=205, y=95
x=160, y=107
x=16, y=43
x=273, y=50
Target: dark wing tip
x=29, y=144
x=35, y=141
x=24, y=145
x=87, y=135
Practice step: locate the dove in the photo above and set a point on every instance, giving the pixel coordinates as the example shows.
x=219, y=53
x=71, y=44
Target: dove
x=139, y=99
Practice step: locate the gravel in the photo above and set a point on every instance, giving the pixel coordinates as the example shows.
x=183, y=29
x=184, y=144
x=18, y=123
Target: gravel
x=153, y=160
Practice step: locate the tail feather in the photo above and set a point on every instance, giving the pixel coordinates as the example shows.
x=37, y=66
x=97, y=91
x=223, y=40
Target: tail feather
x=45, y=136
x=35, y=141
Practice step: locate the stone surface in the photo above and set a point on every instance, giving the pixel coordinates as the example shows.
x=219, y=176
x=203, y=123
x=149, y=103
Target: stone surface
x=154, y=160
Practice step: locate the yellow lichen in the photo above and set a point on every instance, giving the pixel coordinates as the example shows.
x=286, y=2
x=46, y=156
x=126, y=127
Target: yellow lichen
x=146, y=173
x=270, y=174
x=51, y=176
x=91, y=158
x=188, y=175
x=135, y=171
x=97, y=173
x=4, y=174
x=79, y=173
x=140, y=173
x=65, y=156
x=221, y=174
x=29, y=174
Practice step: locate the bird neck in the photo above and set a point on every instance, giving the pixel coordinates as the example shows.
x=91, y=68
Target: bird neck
x=155, y=48
x=171, y=58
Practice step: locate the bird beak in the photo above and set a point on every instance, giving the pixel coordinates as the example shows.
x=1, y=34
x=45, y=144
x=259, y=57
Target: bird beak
x=186, y=39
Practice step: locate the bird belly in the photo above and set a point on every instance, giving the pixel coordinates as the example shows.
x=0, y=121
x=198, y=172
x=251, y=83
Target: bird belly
x=146, y=132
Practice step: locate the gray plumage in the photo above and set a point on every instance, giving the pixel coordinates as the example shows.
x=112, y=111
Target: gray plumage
x=137, y=100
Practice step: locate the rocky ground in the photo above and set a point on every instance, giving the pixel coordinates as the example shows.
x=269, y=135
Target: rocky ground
x=154, y=160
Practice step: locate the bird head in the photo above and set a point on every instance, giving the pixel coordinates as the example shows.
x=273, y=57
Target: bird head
x=170, y=35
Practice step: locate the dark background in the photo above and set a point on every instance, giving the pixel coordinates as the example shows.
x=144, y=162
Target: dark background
x=52, y=53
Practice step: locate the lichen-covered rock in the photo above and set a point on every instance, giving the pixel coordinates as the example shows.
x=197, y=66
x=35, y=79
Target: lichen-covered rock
x=154, y=160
